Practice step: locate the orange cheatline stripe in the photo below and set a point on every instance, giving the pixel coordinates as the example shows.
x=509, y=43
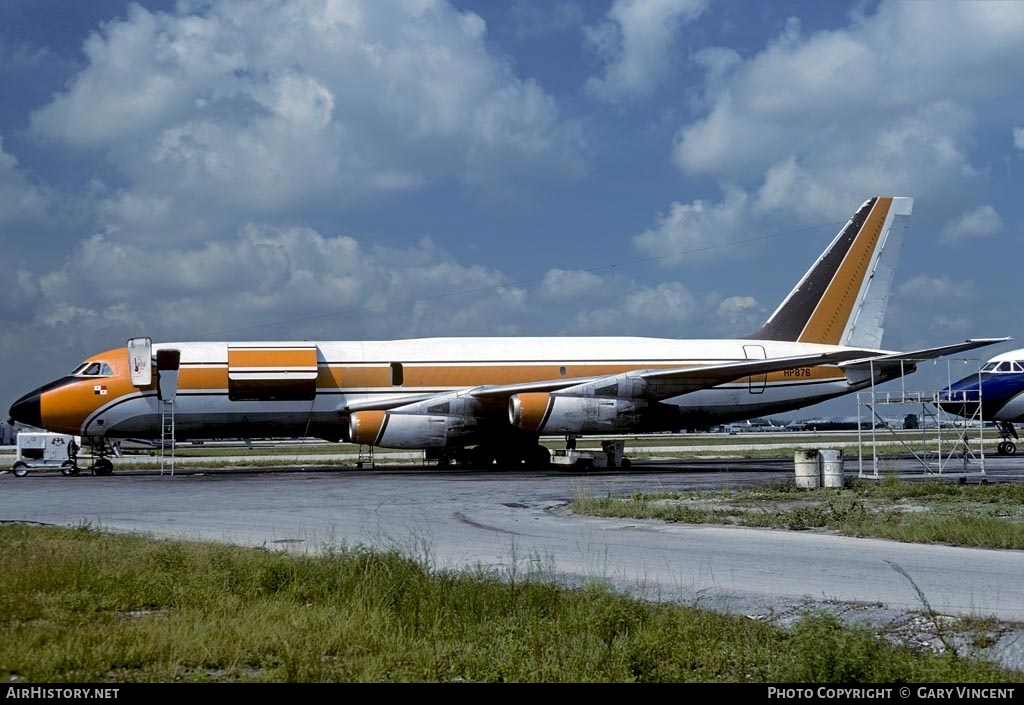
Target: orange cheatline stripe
x=451, y=377
x=829, y=319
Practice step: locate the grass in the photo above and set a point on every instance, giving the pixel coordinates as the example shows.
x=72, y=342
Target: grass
x=982, y=516
x=79, y=605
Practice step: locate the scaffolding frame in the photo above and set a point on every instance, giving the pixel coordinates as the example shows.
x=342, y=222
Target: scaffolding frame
x=951, y=448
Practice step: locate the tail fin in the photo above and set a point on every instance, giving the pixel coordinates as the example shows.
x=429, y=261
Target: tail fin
x=841, y=299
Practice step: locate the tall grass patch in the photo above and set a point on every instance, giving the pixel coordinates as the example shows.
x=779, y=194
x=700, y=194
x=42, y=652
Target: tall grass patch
x=78, y=605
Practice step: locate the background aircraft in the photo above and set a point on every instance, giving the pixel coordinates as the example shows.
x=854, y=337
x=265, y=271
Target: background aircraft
x=998, y=387
x=481, y=400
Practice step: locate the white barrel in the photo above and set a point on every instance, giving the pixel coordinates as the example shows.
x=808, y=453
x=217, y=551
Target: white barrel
x=831, y=468
x=807, y=473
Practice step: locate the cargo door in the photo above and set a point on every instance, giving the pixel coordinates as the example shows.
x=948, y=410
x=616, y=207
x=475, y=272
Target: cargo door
x=272, y=372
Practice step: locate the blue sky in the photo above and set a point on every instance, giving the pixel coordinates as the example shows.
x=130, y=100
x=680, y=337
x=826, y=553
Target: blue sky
x=250, y=170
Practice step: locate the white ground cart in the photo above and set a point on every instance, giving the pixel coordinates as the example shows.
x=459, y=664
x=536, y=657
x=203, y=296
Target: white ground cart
x=45, y=451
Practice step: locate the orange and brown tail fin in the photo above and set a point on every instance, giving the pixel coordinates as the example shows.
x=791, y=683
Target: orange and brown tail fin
x=841, y=300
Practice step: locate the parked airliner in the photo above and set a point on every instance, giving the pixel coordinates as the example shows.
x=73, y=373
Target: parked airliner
x=477, y=401
x=998, y=387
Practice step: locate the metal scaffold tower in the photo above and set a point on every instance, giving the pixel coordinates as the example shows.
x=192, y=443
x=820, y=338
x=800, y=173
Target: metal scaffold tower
x=943, y=444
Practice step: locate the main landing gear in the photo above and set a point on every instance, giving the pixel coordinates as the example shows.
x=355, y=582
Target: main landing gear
x=1006, y=432
x=101, y=465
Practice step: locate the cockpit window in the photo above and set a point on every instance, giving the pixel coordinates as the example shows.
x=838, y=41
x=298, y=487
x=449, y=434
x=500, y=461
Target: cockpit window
x=1018, y=367
x=1003, y=367
x=988, y=367
x=93, y=369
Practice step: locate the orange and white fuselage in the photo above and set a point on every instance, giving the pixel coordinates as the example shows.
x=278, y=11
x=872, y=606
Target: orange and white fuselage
x=282, y=389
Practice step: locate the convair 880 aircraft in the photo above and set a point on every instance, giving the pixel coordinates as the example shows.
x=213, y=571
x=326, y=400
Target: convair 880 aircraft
x=481, y=400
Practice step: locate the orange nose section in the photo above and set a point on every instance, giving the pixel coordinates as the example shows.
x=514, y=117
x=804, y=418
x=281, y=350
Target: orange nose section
x=66, y=408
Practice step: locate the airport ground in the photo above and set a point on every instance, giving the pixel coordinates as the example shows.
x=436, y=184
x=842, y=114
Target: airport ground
x=517, y=520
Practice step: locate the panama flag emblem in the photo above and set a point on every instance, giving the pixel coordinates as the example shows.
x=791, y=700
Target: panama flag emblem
x=100, y=389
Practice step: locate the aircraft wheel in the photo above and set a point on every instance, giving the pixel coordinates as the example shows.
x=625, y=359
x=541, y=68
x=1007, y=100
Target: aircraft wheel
x=103, y=467
x=1011, y=447
x=1001, y=448
x=20, y=469
x=67, y=468
x=625, y=464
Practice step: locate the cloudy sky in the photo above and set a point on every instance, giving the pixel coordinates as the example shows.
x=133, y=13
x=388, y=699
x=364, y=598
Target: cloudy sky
x=368, y=169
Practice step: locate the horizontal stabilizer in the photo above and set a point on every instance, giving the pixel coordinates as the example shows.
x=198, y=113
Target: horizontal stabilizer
x=895, y=359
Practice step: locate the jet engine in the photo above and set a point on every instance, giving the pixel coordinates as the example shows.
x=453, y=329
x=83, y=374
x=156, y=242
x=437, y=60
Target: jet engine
x=541, y=412
x=395, y=430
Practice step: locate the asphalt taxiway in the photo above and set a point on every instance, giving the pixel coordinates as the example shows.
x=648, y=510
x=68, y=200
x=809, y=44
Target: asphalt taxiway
x=517, y=523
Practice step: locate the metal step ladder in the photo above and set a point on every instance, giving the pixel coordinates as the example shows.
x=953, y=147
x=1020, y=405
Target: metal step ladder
x=166, y=436
x=365, y=457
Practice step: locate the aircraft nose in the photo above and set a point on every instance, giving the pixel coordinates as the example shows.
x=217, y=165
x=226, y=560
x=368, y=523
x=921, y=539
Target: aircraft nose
x=27, y=410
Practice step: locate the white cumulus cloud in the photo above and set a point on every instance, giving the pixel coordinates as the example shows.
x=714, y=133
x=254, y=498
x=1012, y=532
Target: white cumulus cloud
x=983, y=221
x=263, y=107
x=885, y=106
x=20, y=199
x=697, y=232
x=636, y=42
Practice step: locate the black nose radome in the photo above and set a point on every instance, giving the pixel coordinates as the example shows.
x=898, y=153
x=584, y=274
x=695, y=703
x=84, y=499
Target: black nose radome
x=26, y=410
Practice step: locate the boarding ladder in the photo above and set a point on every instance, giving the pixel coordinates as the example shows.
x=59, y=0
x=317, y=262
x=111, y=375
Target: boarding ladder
x=166, y=436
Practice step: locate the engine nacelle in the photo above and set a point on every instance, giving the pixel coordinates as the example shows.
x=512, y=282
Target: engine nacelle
x=392, y=430
x=541, y=412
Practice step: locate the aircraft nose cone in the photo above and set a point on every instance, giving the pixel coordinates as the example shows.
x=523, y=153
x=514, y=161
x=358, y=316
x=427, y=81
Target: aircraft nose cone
x=27, y=410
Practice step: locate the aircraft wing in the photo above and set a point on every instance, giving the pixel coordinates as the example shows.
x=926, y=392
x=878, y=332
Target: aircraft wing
x=658, y=384
x=664, y=383
x=378, y=404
